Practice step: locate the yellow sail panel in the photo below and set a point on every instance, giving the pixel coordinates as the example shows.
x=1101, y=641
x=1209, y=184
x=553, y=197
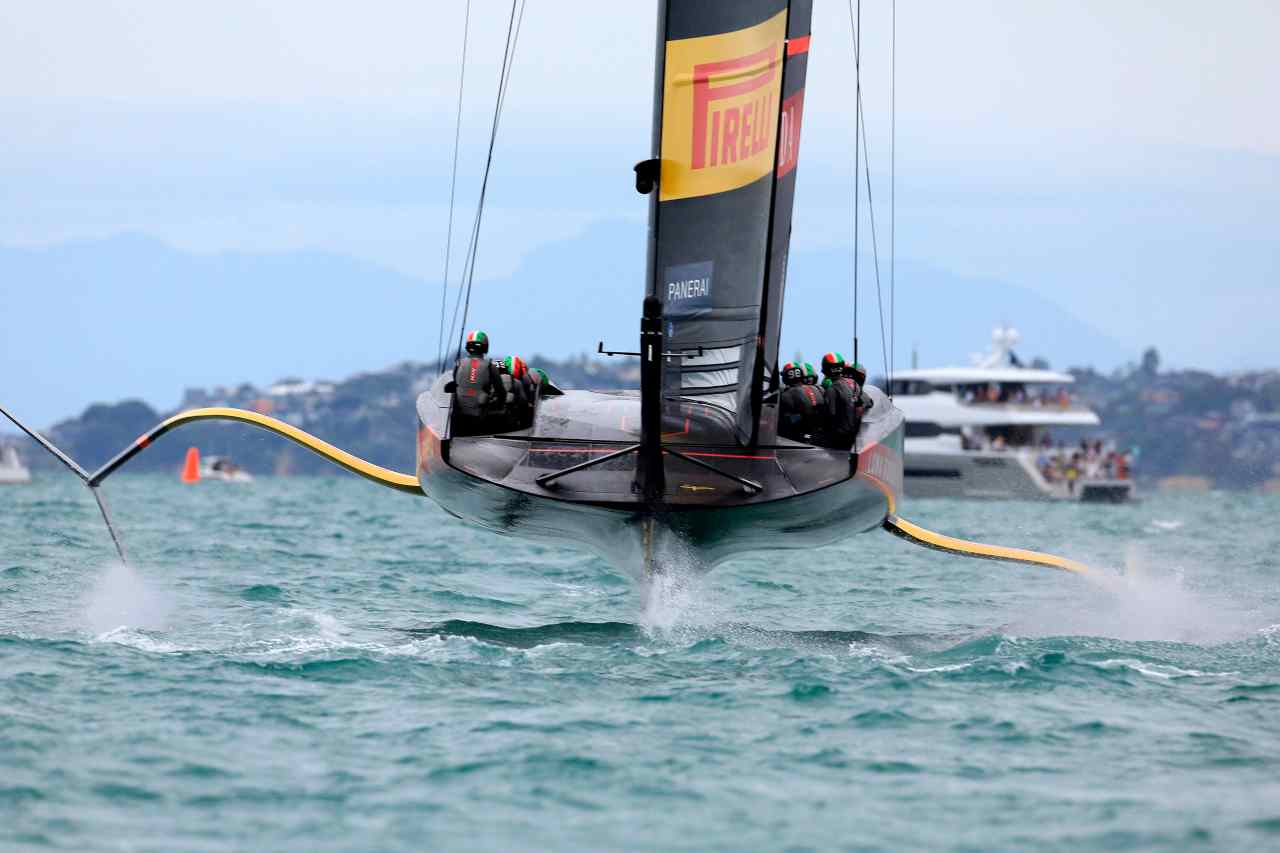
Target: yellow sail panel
x=720, y=109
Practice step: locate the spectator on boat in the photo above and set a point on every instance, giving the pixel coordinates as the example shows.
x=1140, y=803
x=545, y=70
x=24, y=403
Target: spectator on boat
x=479, y=394
x=1073, y=473
x=801, y=406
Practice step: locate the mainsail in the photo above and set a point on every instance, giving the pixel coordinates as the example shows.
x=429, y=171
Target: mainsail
x=730, y=80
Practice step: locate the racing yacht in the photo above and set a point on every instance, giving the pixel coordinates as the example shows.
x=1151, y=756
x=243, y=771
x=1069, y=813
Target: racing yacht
x=690, y=468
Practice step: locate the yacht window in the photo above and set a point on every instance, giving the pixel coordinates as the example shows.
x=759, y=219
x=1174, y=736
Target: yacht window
x=910, y=387
x=923, y=429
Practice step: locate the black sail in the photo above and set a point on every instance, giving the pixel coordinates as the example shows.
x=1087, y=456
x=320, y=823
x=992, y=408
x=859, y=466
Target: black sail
x=721, y=218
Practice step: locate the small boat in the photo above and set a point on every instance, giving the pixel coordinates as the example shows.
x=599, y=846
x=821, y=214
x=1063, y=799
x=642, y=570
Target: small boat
x=12, y=469
x=222, y=469
x=984, y=431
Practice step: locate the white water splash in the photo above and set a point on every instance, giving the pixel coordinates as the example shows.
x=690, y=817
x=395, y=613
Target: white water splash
x=673, y=598
x=1147, y=601
x=122, y=598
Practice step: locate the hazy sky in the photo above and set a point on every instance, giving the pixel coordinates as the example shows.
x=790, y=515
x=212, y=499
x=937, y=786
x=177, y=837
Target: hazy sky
x=1122, y=158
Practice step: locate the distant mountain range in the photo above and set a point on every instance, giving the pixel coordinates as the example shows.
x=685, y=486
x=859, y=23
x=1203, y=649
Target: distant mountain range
x=130, y=316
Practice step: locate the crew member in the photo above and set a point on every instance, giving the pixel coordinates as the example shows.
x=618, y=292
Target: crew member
x=514, y=375
x=843, y=403
x=810, y=375
x=801, y=406
x=859, y=374
x=832, y=368
x=478, y=392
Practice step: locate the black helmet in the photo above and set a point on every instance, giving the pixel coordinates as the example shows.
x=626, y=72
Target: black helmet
x=477, y=342
x=858, y=372
x=792, y=374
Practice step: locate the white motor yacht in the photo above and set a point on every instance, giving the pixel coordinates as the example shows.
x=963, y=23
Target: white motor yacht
x=985, y=431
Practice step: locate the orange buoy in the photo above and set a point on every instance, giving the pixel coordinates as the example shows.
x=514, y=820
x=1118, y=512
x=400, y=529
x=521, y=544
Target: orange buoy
x=191, y=468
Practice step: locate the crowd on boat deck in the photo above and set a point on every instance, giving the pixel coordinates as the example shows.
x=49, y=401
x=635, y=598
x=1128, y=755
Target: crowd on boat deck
x=1013, y=392
x=1090, y=460
x=493, y=395
x=826, y=411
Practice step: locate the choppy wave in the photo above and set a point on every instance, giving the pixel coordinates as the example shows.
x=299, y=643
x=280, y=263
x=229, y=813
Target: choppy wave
x=358, y=674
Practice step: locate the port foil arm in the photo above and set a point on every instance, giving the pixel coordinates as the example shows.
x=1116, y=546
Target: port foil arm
x=354, y=464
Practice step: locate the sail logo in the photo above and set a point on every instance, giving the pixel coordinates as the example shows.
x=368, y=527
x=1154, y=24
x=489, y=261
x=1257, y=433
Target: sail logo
x=687, y=288
x=732, y=97
x=690, y=288
x=789, y=133
x=720, y=109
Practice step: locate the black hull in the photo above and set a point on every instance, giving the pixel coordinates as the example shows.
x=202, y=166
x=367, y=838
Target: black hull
x=809, y=496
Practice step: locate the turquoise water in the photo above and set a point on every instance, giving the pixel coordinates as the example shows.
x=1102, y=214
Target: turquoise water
x=324, y=665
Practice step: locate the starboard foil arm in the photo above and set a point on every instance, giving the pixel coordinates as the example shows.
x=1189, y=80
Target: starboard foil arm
x=339, y=457
x=354, y=464
x=76, y=469
x=939, y=542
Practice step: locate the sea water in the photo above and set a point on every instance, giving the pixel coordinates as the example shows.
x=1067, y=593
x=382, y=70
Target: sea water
x=320, y=664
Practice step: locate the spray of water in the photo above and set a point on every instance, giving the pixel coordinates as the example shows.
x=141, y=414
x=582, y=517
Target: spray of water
x=1149, y=600
x=672, y=603
x=122, y=598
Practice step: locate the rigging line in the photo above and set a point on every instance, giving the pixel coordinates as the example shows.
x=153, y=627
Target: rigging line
x=509, y=57
x=475, y=224
x=860, y=138
x=855, y=35
x=875, y=249
x=453, y=185
x=473, y=240
x=893, y=190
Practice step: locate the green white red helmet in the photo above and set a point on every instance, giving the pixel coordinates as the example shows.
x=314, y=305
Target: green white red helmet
x=810, y=375
x=832, y=364
x=515, y=366
x=477, y=342
x=792, y=374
